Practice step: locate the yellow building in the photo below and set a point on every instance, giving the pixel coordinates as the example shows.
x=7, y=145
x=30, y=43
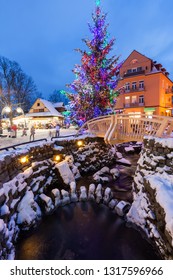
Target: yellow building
x=146, y=87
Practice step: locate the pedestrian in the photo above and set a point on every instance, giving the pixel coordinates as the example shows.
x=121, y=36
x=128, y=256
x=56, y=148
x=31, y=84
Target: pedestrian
x=24, y=133
x=57, y=128
x=14, y=128
x=32, y=132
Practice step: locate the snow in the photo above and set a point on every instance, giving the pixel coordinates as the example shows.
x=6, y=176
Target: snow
x=165, y=142
x=123, y=161
x=129, y=149
x=163, y=185
x=65, y=197
x=2, y=225
x=4, y=210
x=83, y=194
x=26, y=209
x=65, y=172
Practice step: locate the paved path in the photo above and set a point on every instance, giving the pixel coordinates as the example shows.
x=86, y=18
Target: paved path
x=40, y=134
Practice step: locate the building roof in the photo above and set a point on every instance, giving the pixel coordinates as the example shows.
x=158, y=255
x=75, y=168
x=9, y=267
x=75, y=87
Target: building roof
x=58, y=104
x=50, y=106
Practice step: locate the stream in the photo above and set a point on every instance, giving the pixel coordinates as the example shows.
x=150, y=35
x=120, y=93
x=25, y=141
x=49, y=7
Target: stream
x=87, y=230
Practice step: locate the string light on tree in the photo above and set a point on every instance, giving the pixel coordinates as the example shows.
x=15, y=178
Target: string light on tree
x=96, y=77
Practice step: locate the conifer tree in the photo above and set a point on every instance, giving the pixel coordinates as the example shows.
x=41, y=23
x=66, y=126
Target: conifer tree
x=96, y=77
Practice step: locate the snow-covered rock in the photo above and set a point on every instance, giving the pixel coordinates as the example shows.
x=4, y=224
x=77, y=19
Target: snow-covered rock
x=115, y=173
x=28, y=211
x=65, y=172
x=73, y=194
x=56, y=197
x=113, y=203
x=98, y=193
x=47, y=202
x=65, y=197
x=83, y=194
x=122, y=208
x=91, y=192
x=107, y=195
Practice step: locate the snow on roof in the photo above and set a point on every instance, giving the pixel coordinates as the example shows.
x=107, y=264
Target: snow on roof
x=49, y=106
x=58, y=104
x=44, y=114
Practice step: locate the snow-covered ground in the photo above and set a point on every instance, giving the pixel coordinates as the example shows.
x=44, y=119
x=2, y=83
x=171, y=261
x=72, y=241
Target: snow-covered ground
x=40, y=134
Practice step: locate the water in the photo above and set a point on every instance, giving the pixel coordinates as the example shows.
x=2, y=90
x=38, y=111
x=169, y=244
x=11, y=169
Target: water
x=88, y=230
x=84, y=231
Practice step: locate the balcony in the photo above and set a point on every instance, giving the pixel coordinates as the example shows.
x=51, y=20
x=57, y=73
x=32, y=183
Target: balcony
x=169, y=90
x=142, y=72
x=134, y=105
x=134, y=89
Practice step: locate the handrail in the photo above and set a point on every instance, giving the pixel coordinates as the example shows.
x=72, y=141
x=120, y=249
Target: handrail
x=16, y=145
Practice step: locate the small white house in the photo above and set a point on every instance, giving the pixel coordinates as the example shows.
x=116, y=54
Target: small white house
x=44, y=113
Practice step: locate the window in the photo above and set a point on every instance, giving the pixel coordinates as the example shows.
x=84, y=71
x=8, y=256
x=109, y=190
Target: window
x=127, y=99
x=41, y=110
x=141, y=99
x=141, y=84
x=134, y=99
x=134, y=85
x=134, y=70
x=38, y=104
x=127, y=86
x=139, y=69
x=129, y=71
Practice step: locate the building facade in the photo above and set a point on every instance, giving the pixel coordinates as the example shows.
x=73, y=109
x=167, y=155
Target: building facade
x=146, y=87
x=44, y=114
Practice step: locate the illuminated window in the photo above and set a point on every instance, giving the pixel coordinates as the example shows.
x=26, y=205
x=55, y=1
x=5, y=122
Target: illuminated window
x=134, y=99
x=127, y=99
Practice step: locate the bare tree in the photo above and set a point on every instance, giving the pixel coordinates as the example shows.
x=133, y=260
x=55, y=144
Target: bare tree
x=16, y=88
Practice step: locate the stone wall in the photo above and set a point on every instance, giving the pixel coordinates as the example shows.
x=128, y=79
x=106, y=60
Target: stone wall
x=30, y=190
x=153, y=193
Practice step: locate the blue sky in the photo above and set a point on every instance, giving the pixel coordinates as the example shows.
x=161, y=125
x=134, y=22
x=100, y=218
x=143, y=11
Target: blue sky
x=41, y=35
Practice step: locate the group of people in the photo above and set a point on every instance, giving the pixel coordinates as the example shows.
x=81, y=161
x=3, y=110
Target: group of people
x=12, y=130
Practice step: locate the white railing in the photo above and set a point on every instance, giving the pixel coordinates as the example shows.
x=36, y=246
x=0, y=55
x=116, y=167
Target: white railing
x=127, y=127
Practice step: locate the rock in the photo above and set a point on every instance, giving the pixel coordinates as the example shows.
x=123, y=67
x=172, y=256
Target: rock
x=98, y=193
x=122, y=208
x=65, y=197
x=91, y=192
x=115, y=173
x=47, y=202
x=83, y=194
x=73, y=194
x=113, y=203
x=107, y=195
x=56, y=197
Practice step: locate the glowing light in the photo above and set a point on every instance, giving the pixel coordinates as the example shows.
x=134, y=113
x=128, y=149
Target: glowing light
x=24, y=159
x=7, y=109
x=80, y=143
x=19, y=110
x=97, y=2
x=58, y=158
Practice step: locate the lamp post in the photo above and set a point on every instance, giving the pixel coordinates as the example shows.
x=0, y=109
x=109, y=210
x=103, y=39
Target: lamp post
x=8, y=110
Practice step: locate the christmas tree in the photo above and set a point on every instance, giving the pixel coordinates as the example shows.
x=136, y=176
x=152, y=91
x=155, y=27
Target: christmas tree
x=96, y=77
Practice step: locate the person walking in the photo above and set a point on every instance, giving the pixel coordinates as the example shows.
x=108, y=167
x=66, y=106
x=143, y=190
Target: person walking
x=32, y=132
x=57, y=128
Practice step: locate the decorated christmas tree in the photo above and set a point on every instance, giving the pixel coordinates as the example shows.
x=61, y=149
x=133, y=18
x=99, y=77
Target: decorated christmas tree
x=96, y=77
